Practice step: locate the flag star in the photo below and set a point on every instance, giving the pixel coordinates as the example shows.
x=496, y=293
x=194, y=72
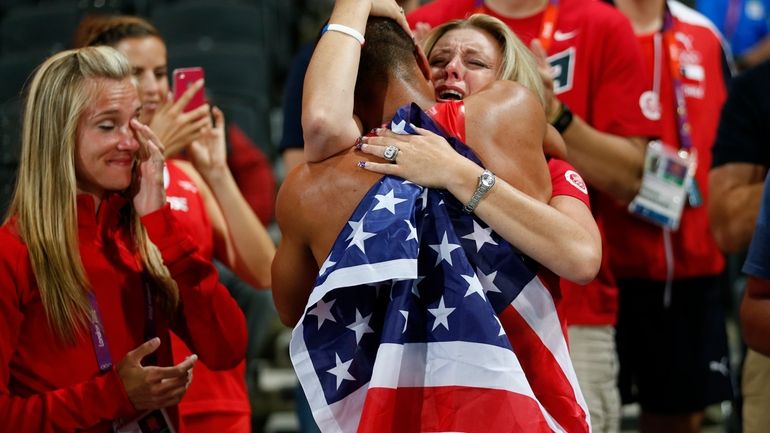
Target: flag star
x=474, y=286
x=326, y=265
x=323, y=310
x=406, y=319
x=441, y=314
x=360, y=326
x=412, y=231
x=340, y=370
x=444, y=250
x=487, y=281
x=417, y=282
x=502, y=330
x=359, y=236
x=481, y=236
x=399, y=128
x=354, y=225
x=388, y=201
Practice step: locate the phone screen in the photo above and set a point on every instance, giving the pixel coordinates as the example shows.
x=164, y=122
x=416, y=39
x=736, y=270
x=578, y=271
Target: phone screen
x=184, y=78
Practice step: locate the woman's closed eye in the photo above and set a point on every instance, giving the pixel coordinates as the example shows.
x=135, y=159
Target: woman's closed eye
x=106, y=126
x=437, y=61
x=478, y=63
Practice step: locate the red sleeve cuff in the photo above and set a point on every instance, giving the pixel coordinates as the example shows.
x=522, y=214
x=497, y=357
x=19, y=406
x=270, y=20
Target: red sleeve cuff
x=163, y=229
x=123, y=408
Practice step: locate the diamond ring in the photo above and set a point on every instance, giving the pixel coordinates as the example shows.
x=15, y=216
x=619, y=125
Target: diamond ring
x=391, y=151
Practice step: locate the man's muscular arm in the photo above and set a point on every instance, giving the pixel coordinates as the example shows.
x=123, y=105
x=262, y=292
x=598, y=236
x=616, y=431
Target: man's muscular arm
x=737, y=191
x=294, y=268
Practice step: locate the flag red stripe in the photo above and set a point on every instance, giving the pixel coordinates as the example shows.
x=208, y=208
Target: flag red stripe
x=546, y=377
x=449, y=409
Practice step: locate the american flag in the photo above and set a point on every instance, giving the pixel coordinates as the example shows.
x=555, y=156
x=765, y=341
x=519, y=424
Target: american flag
x=423, y=319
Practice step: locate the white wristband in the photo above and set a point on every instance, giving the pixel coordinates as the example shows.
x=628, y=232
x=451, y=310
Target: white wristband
x=346, y=30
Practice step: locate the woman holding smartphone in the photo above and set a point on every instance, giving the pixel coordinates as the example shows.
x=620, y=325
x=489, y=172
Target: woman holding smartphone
x=205, y=197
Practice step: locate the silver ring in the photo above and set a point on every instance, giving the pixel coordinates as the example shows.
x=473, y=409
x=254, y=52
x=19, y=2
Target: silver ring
x=391, y=151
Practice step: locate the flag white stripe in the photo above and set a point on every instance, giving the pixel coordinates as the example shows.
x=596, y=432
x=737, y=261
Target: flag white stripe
x=450, y=363
x=303, y=366
x=536, y=307
x=364, y=274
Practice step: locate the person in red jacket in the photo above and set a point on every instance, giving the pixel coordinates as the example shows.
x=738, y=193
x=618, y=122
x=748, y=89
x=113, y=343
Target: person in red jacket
x=676, y=364
x=94, y=270
x=206, y=199
x=592, y=69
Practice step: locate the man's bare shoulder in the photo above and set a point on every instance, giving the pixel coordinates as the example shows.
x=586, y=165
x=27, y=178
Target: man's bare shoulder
x=317, y=182
x=317, y=198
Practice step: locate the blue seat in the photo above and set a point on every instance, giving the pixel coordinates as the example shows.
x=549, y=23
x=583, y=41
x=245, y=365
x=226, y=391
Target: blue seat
x=232, y=70
x=15, y=70
x=45, y=27
x=238, y=78
x=10, y=144
x=206, y=22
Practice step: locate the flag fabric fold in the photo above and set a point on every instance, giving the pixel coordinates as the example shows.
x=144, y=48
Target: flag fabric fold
x=423, y=319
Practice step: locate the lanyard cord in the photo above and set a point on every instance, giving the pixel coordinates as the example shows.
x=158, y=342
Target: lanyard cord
x=682, y=122
x=657, y=42
x=99, y=337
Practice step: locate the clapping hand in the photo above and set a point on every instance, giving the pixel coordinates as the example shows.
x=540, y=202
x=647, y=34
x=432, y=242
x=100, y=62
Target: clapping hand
x=153, y=387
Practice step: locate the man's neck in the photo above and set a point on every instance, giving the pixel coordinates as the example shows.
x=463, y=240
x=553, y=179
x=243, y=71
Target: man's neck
x=418, y=91
x=516, y=8
x=646, y=16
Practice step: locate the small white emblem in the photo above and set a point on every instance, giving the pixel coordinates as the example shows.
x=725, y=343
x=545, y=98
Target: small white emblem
x=564, y=36
x=576, y=180
x=650, y=105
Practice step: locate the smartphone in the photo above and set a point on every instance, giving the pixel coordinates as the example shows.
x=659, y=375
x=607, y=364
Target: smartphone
x=184, y=78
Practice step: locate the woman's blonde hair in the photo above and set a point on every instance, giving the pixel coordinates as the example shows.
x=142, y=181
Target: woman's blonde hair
x=44, y=203
x=517, y=64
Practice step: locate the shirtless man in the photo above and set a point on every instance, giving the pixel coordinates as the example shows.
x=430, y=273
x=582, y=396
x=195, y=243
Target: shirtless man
x=349, y=90
x=317, y=199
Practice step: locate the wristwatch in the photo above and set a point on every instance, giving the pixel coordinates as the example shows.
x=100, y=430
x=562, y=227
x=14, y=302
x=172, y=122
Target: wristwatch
x=563, y=118
x=486, y=182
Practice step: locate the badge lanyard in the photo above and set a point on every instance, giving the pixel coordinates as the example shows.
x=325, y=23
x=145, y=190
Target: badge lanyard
x=682, y=122
x=684, y=128
x=98, y=336
x=158, y=417
x=668, y=179
x=547, y=27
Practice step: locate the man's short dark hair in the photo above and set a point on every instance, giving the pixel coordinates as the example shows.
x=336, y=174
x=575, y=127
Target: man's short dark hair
x=387, y=52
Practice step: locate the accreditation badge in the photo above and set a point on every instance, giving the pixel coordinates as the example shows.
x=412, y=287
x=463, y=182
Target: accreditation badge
x=668, y=176
x=154, y=421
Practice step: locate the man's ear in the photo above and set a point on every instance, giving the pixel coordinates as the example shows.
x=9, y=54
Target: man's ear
x=422, y=61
